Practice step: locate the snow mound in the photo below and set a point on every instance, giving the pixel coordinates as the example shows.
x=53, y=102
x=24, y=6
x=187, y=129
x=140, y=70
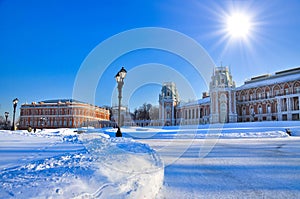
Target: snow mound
x=64, y=164
x=132, y=169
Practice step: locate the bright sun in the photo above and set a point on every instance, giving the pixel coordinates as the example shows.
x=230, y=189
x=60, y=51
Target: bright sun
x=238, y=25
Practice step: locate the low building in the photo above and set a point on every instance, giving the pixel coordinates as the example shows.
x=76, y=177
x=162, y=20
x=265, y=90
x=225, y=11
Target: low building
x=62, y=113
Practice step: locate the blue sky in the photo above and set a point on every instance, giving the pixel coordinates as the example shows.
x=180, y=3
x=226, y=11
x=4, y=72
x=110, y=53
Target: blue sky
x=43, y=43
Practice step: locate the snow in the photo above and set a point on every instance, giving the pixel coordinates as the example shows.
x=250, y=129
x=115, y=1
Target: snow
x=63, y=164
x=235, y=168
x=196, y=102
x=230, y=130
x=241, y=160
x=270, y=81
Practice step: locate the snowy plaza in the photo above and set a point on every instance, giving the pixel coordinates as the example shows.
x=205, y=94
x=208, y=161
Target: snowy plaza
x=245, y=160
x=150, y=99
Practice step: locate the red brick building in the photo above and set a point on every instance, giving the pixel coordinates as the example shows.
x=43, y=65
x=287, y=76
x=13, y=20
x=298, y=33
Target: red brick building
x=62, y=113
x=270, y=97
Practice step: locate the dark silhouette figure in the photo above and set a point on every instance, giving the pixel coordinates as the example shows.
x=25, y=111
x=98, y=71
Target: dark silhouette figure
x=119, y=133
x=288, y=131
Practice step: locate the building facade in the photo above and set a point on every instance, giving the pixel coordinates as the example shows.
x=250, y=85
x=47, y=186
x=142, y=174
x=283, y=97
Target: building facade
x=270, y=97
x=262, y=98
x=168, y=101
x=62, y=113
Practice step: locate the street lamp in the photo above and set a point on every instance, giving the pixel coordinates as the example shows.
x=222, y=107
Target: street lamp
x=120, y=80
x=6, y=116
x=15, y=103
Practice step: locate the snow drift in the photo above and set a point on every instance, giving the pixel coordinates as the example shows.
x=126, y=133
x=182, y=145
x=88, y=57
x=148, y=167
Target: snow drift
x=63, y=164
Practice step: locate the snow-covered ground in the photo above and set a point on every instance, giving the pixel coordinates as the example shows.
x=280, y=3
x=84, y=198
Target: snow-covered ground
x=63, y=164
x=243, y=160
x=234, y=168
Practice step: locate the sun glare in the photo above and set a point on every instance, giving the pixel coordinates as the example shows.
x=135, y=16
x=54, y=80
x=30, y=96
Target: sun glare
x=238, y=25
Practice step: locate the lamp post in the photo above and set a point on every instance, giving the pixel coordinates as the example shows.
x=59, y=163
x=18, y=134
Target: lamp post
x=120, y=80
x=15, y=103
x=6, y=116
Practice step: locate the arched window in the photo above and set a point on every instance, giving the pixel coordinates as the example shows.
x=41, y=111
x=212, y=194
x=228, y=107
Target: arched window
x=276, y=90
x=269, y=109
x=267, y=92
x=259, y=95
x=251, y=110
x=296, y=88
x=259, y=109
x=223, y=114
x=286, y=89
x=244, y=111
x=168, y=93
x=223, y=98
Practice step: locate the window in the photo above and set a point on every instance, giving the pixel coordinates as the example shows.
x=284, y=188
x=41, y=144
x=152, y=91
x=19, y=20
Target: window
x=251, y=110
x=223, y=97
x=259, y=110
x=223, y=114
x=269, y=108
x=286, y=91
x=267, y=94
x=244, y=111
x=168, y=93
x=259, y=95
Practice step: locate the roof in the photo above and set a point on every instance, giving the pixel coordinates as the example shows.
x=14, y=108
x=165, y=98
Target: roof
x=61, y=100
x=196, y=102
x=57, y=101
x=279, y=77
